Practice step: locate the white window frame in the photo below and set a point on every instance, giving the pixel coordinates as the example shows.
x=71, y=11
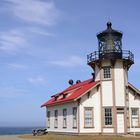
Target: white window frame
x=55, y=118
x=108, y=118
x=64, y=118
x=48, y=118
x=135, y=117
x=74, y=111
x=88, y=117
x=106, y=72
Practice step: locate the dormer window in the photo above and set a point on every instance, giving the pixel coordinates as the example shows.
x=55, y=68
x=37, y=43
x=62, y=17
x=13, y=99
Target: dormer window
x=65, y=95
x=56, y=97
x=106, y=72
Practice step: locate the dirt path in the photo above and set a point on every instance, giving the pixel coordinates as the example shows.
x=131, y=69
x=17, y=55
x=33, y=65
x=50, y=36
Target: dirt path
x=12, y=137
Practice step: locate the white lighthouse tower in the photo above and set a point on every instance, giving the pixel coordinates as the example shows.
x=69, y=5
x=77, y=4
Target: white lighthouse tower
x=111, y=64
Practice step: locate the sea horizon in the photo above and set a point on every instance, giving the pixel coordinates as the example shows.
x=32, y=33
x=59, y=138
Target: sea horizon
x=15, y=130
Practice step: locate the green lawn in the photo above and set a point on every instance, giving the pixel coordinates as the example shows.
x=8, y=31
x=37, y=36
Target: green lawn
x=89, y=137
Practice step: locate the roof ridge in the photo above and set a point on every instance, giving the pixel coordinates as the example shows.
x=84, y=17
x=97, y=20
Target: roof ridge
x=78, y=85
x=64, y=91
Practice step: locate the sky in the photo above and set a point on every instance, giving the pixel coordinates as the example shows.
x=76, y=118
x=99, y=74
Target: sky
x=44, y=43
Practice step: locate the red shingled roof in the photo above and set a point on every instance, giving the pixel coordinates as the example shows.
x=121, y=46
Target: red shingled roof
x=72, y=92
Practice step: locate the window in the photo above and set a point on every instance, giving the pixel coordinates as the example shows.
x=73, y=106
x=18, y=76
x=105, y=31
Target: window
x=88, y=120
x=135, y=117
x=108, y=116
x=48, y=119
x=106, y=73
x=65, y=95
x=134, y=111
x=127, y=115
x=64, y=118
x=75, y=117
x=56, y=118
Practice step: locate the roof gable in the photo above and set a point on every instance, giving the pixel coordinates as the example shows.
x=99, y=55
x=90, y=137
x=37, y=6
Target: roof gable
x=133, y=88
x=72, y=93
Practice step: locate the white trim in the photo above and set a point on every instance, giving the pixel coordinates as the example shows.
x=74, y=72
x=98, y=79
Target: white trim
x=133, y=88
x=87, y=91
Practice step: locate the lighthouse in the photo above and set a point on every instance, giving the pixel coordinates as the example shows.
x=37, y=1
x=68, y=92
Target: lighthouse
x=111, y=64
x=104, y=104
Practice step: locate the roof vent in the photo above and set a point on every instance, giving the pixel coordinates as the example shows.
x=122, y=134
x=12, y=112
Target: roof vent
x=78, y=81
x=93, y=76
x=71, y=82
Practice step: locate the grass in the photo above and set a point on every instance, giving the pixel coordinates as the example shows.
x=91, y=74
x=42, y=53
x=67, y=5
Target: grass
x=88, y=137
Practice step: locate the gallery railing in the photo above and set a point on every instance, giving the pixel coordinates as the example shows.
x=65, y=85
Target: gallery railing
x=110, y=54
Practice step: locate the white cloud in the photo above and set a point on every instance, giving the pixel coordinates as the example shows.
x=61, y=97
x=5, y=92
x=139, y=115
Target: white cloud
x=37, y=80
x=11, y=42
x=36, y=11
x=19, y=38
x=39, y=31
x=12, y=92
x=12, y=38
x=17, y=66
x=69, y=62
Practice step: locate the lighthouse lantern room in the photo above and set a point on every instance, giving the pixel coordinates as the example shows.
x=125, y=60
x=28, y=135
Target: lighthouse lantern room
x=110, y=48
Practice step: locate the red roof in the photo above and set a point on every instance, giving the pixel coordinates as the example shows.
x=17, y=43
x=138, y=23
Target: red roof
x=72, y=92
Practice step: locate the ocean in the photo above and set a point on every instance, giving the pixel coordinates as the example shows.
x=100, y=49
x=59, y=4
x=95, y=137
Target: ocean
x=16, y=130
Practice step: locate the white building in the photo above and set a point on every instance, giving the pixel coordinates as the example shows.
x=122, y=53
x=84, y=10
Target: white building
x=105, y=104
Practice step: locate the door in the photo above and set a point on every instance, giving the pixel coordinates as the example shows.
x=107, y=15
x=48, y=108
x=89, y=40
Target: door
x=120, y=122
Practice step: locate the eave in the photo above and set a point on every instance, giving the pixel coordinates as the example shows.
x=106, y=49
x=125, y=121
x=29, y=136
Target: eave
x=87, y=91
x=134, y=88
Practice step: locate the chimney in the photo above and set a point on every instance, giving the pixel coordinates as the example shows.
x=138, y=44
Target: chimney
x=93, y=77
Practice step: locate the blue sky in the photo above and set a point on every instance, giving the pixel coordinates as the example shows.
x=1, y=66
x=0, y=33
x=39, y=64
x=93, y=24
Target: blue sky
x=44, y=43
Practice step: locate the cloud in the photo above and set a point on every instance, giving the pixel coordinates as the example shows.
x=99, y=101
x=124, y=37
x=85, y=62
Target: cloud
x=37, y=80
x=17, y=39
x=40, y=31
x=35, y=11
x=12, y=92
x=17, y=66
x=69, y=62
x=11, y=41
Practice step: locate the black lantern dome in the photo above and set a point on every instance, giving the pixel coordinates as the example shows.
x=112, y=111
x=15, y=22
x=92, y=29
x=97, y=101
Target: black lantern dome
x=110, y=48
x=109, y=31
x=109, y=43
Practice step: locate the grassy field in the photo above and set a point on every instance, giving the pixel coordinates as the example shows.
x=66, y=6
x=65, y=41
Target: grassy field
x=89, y=137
